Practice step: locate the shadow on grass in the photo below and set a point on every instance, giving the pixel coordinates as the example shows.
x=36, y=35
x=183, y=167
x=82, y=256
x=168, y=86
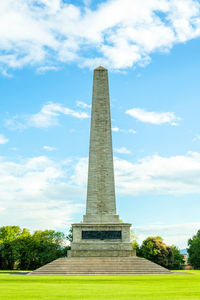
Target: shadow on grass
x=13, y=272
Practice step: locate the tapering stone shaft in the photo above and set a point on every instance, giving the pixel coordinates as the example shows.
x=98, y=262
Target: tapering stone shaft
x=101, y=204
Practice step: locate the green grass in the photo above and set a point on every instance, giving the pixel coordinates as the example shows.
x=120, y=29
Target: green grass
x=124, y=287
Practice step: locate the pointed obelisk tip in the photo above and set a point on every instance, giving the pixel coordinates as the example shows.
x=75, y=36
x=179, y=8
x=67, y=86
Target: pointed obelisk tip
x=100, y=68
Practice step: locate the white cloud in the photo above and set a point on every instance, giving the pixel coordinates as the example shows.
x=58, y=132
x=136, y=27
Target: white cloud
x=117, y=129
x=82, y=104
x=153, y=117
x=38, y=193
x=41, y=193
x=174, y=234
x=47, y=116
x=3, y=139
x=49, y=148
x=1, y=208
x=131, y=131
x=159, y=175
x=175, y=175
x=122, y=150
x=44, y=69
x=118, y=33
x=80, y=175
x=196, y=138
x=6, y=74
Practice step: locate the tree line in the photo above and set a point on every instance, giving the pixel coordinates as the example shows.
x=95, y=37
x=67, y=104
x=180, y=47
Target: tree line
x=155, y=250
x=20, y=249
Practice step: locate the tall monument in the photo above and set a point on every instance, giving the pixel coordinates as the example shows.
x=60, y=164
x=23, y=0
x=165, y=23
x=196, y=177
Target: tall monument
x=101, y=233
x=101, y=243
x=101, y=206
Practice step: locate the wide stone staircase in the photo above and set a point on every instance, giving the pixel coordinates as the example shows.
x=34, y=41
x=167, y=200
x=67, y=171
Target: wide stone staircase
x=100, y=266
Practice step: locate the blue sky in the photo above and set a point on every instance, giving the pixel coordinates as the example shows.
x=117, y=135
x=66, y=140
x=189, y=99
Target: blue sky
x=48, y=50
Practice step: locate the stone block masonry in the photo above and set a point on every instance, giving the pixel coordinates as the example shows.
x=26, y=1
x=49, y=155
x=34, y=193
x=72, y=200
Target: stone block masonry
x=101, y=204
x=101, y=234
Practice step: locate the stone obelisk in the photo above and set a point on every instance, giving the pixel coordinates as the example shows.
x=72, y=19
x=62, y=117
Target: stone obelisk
x=101, y=244
x=101, y=204
x=101, y=233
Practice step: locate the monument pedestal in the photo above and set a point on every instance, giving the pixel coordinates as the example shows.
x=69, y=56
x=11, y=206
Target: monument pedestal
x=103, y=239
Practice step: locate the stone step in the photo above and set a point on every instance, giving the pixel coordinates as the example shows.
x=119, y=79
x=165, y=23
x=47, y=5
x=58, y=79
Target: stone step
x=100, y=259
x=97, y=263
x=104, y=267
x=106, y=263
x=100, y=270
x=101, y=273
x=93, y=265
x=112, y=266
x=100, y=265
x=72, y=259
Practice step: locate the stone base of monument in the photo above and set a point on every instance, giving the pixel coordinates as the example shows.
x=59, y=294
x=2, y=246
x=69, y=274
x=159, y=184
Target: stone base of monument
x=100, y=253
x=101, y=249
x=101, y=266
x=108, y=239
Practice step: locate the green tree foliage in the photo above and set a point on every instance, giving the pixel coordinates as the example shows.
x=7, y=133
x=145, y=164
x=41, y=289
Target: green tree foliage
x=155, y=250
x=133, y=239
x=8, y=246
x=69, y=237
x=194, y=251
x=39, y=249
x=178, y=259
x=23, y=250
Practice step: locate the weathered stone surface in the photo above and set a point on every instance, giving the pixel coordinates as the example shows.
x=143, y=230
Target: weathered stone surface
x=123, y=227
x=105, y=247
x=101, y=253
x=101, y=204
x=101, y=265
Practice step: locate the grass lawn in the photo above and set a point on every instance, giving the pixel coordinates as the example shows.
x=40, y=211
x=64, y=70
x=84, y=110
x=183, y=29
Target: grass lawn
x=93, y=287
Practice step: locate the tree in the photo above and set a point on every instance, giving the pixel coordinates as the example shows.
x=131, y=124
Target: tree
x=8, y=246
x=194, y=251
x=69, y=237
x=178, y=259
x=156, y=251
x=23, y=250
x=39, y=249
x=133, y=239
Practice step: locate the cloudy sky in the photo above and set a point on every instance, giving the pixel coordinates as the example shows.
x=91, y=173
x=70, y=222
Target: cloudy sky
x=48, y=49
